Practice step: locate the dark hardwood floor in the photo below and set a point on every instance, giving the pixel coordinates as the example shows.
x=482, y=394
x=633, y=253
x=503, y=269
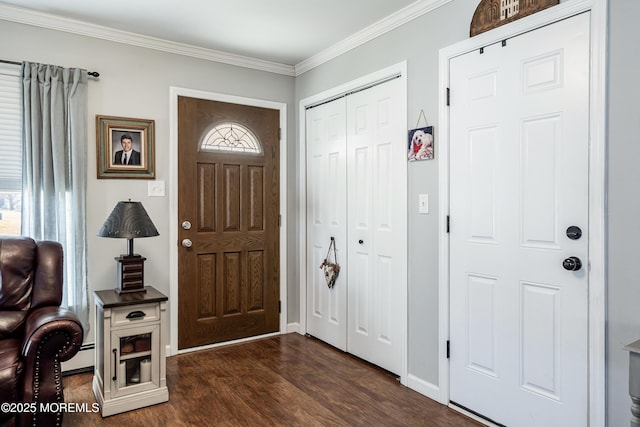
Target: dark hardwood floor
x=286, y=380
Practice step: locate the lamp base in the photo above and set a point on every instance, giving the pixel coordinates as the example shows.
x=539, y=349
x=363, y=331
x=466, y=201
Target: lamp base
x=130, y=274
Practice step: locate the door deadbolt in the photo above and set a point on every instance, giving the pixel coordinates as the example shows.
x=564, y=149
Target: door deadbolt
x=186, y=225
x=574, y=232
x=572, y=263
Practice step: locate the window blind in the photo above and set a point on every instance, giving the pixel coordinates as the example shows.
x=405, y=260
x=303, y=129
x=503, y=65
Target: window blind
x=10, y=127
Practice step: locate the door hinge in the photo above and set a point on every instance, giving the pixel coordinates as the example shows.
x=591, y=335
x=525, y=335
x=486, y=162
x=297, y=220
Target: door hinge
x=279, y=134
x=279, y=306
x=448, y=349
x=279, y=220
x=448, y=223
x=448, y=97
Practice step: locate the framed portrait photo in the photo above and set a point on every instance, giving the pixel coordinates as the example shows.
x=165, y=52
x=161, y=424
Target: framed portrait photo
x=125, y=148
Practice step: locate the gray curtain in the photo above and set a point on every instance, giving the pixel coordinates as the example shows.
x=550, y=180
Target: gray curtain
x=55, y=172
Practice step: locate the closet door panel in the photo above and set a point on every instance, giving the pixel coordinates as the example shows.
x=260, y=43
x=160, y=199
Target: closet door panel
x=376, y=194
x=326, y=218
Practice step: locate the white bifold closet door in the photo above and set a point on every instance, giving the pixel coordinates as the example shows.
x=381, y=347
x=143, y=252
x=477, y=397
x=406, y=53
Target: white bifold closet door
x=356, y=193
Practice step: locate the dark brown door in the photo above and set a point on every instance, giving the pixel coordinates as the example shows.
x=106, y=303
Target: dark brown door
x=229, y=193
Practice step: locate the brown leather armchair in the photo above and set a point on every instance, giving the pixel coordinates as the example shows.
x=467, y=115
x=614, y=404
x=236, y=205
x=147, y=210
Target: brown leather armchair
x=36, y=334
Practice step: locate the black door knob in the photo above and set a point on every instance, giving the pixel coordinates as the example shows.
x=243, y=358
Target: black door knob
x=572, y=263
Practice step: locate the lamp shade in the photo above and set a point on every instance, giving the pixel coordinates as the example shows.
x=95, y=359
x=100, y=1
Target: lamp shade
x=128, y=220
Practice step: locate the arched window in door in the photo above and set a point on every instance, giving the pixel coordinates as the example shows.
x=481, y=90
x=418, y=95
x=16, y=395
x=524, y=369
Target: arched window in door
x=231, y=137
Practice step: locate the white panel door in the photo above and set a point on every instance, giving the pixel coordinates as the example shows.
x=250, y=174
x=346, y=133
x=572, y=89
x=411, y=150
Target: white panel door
x=377, y=224
x=326, y=218
x=519, y=180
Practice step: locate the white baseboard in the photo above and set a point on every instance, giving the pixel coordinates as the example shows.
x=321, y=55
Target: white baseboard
x=423, y=387
x=82, y=360
x=293, y=327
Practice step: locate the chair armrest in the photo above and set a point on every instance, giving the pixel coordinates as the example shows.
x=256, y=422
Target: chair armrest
x=45, y=321
x=52, y=335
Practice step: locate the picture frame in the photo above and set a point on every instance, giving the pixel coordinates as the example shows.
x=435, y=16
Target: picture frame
x=125, y=148
x=421, y=144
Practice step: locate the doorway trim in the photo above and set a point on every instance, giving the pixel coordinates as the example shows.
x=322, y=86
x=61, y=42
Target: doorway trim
x=174, y=93
x=597, y=189
x=400, y=70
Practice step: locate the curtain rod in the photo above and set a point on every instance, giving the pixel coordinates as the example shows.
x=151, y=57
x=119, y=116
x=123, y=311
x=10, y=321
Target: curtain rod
x=91, y=73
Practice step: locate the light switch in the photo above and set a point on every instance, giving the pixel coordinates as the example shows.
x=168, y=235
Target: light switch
x=156, y=189
x=423, y=203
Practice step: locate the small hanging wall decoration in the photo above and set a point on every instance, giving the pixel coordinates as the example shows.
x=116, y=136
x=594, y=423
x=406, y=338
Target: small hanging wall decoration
x=421, y=144
x=330, y=267
x=493, y=13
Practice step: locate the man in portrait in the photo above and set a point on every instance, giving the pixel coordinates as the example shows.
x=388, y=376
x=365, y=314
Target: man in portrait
x=127, y=156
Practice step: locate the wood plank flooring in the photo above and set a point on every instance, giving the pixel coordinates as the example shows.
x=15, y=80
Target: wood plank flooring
x=286, y=380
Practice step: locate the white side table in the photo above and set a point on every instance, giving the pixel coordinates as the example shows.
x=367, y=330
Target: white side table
x=130, y=364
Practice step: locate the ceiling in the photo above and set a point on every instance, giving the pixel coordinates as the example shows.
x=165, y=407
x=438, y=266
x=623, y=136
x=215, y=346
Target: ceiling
x=281, y=31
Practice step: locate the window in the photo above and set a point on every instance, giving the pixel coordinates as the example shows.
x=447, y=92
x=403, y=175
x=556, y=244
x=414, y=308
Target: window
x=231, y=137
x=10, y=148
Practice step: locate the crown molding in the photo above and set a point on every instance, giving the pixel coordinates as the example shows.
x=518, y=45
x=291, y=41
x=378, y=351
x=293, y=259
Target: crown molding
x=55, y=22
x=369, y=33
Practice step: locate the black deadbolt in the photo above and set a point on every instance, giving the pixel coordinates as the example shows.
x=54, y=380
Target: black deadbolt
x=572, y=263
x=574, y=232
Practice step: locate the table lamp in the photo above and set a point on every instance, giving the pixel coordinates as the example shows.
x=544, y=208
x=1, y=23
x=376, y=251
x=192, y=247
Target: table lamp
x=129, y=220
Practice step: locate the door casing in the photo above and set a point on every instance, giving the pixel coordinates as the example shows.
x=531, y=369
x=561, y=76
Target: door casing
x=399, y=69
x=172, y=349
x=597, y=190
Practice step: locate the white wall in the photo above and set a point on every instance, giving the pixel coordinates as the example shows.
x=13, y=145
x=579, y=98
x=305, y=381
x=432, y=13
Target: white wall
x=135, y=82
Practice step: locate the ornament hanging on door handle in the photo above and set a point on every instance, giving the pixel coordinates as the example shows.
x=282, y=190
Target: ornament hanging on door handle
x=331, y=268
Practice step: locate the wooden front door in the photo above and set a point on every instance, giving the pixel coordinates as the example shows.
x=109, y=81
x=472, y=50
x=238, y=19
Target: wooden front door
x=228, y=211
